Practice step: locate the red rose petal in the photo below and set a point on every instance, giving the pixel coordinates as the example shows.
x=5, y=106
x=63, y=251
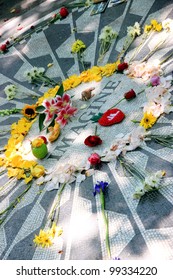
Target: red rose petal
x=111, y=117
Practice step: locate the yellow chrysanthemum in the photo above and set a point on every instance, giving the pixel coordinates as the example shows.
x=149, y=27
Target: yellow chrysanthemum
x=29, y=111
x=147, y=28
x=16, y=161
x=27, y=178
x=12, y=172
x=48, y=94
x=93, y=74
x=78, y=46
x=43, y=239
x=109, y=68
x=158, y=27
x=2, y=161
x=148, y=120
x=28, y=164
x=72, y=82
x=154, y=22
x=55, y=230
x=21, y=174
x=37, y=171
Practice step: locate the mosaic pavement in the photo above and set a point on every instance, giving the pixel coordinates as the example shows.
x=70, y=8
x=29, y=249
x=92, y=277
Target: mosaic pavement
x=138, y=229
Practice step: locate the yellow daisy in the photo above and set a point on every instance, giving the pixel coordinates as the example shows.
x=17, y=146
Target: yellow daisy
x=148, y=120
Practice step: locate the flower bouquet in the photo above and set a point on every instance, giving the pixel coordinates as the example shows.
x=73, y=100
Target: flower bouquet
x=106, y=38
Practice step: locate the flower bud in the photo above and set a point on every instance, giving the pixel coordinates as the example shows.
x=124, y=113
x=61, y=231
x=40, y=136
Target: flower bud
x=130, y=94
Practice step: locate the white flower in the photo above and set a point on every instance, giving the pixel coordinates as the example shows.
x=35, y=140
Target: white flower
x=34, y=73
x=88, y=3
x=107, y=34
x=135, y=138
x=10, y=91
x=153, y=181
x=133, y=31
x=138, y=193
x=166, y=82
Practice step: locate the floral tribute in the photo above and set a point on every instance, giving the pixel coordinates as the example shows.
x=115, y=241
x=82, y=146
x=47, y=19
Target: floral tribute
x=54, y=110
x=106, y=38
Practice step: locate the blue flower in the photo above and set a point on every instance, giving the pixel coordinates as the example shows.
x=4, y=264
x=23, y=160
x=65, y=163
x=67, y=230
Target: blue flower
x=101, y=186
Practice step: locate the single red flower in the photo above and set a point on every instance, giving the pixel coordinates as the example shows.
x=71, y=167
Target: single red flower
x=3, y=47
x=94, y=159
x=63, y=12
x=122, y=66
x=92, y=141
x=7, y=42
x=130, y=94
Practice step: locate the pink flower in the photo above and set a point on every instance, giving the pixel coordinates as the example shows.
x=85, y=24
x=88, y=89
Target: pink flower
x=94, y=159
x=51, y=109
x=65, y=114
x=63, y=101
x=155, y=80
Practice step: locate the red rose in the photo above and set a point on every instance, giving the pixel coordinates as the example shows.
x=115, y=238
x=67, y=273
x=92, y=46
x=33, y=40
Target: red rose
x=92, y=141
x=3, y=47
x=63, y=12
x=94, y=159
x=7, y=42
x=130, y=94
x=122, y=66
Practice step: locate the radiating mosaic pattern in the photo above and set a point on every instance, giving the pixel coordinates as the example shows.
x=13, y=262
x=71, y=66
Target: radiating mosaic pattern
x=138, y=229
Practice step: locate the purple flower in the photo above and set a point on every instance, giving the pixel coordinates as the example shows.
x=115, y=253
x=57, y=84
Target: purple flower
x=101, y=186
x=155, y=80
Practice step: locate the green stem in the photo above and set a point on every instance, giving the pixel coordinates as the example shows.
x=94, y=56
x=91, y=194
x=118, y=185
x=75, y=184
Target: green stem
x=14, y=203
x=153, y=51
x=105, y=219
x=138, y=49
x=95, y=133
x=135, y=121
x=164, y=60
x=117, y=103
x=56, y=207
x=81, y=60
x=6, y=184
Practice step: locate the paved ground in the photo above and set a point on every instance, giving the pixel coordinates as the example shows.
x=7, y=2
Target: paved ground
x=138, y=229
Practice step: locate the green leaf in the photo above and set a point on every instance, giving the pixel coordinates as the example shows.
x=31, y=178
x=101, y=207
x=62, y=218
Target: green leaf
x=60, y=90
x=41, y=120
x=40, y=109
x=51, y=124
x=95, y=118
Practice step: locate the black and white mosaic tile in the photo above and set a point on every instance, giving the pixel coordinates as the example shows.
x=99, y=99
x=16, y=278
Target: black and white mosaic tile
x=138, y=229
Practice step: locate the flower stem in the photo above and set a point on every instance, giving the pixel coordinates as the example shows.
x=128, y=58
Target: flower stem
x=117, y=103
x=56, y=207
x=14, y=203
x=164, y=60
x=105, y=219
x=138, y=49
x=95, y=133
x=135, y=121
x=153, y=51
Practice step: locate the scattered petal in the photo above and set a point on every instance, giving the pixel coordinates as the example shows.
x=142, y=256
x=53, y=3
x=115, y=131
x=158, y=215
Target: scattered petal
x=13, y=11
x=83, y=106
x=50, y=65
